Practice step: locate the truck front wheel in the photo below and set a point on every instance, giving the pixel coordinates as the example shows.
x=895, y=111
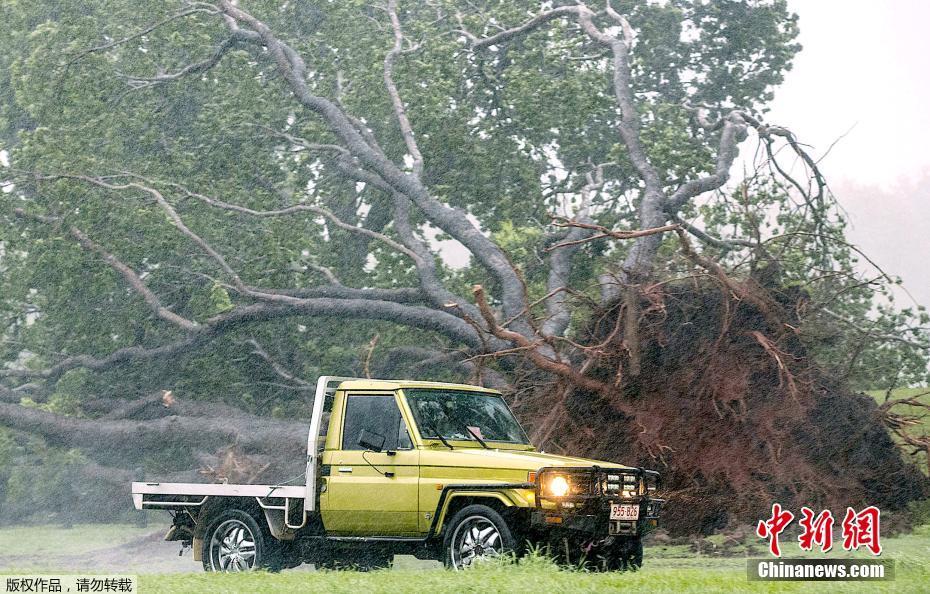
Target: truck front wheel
x=476, y=533
x=627, y=554
x=234, y=542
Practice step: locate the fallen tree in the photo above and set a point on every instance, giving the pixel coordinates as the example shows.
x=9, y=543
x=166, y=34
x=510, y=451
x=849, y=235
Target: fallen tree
x=165, y=248
x=736, y=419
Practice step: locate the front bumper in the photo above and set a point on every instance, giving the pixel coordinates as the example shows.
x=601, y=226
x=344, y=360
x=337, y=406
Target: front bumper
x=587, y=508
x=596, y=521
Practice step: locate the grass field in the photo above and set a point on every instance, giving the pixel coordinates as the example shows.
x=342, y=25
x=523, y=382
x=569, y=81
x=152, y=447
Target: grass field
x=122, y=549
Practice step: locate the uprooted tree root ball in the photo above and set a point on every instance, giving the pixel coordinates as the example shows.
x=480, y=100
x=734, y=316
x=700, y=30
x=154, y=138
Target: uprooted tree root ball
x=730, y=409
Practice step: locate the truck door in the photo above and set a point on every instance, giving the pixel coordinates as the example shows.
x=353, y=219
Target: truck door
x=370, y=492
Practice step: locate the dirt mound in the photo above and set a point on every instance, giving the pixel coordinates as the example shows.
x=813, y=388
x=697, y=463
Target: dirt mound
x=717, y=391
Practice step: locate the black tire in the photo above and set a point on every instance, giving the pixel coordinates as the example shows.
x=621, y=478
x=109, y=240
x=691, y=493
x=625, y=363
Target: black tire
x=235, y=541
x=623, y=554
x=488, y=532
x=627, y=554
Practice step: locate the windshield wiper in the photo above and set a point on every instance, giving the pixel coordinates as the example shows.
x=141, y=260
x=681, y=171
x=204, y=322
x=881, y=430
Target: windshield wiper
x=475, y=435
x=429, y=427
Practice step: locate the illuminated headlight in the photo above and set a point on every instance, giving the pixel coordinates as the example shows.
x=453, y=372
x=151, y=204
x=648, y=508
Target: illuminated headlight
x=558, y=486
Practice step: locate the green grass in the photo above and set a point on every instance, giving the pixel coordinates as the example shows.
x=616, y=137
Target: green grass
x=535, y=576
x=44, y=540
x=667, y=569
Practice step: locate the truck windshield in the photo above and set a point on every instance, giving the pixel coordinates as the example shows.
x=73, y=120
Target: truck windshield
x=452, y=413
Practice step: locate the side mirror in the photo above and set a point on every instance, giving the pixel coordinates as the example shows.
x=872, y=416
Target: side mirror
x=371, y=441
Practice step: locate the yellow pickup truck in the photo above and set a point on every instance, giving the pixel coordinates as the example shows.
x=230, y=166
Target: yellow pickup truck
x=439, y=471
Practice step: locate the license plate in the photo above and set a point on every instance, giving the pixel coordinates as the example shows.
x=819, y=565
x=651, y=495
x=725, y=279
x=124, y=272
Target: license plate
x=624, y=511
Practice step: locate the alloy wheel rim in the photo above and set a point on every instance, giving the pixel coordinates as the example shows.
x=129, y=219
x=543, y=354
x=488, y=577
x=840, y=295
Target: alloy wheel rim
x=232, y=547
x=476, y=538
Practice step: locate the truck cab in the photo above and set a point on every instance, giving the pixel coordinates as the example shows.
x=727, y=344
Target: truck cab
x=441, y=471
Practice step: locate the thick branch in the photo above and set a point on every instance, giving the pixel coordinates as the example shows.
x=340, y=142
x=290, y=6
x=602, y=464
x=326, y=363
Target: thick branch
x=733, y=132
x=560, y=262
x=404, y=295
x=532, y=352
x=118, y=357
x=399, y=110
x=451, y=220
x=133, y=440
x=426, y=264
x=414, y=316
x=128, y=274
x=725, y=244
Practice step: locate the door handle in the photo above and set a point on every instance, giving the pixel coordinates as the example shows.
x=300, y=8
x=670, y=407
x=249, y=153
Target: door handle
x=345, y=469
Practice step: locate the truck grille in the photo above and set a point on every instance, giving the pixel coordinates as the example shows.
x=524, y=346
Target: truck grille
x=624, y=484
x=587, y=483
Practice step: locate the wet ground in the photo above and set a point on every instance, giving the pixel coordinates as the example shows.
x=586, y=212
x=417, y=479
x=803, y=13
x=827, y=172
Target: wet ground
x=148, y=553
x=111, y=549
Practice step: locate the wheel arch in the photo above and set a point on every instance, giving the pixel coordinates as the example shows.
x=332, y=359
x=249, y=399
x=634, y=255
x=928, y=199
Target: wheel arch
x=250, y=505
x=506, y=501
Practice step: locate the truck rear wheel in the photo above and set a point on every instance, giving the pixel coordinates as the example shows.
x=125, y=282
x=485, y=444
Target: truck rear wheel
x=476, y=533
x=234, y=542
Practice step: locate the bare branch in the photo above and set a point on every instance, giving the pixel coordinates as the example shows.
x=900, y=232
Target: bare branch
x=369, y=352
x=253, y=434
x=279, y=369
x=197, y=8
x=128, y=273
x=238, y=283
x=726, y=244
x=139, y=82
x=739, y=290
x=527, y=27
x=605, y=232
x=421, y=317
x=402, y=295
x=169, y=210
x=313, y=146
x=426, y=263
x=328, y=273
x=399, y=111
x=878, y=336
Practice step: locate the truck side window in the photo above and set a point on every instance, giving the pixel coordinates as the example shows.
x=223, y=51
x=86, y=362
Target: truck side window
x=376, y=414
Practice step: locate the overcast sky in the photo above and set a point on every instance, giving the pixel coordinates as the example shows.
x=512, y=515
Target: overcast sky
x=864, y=69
